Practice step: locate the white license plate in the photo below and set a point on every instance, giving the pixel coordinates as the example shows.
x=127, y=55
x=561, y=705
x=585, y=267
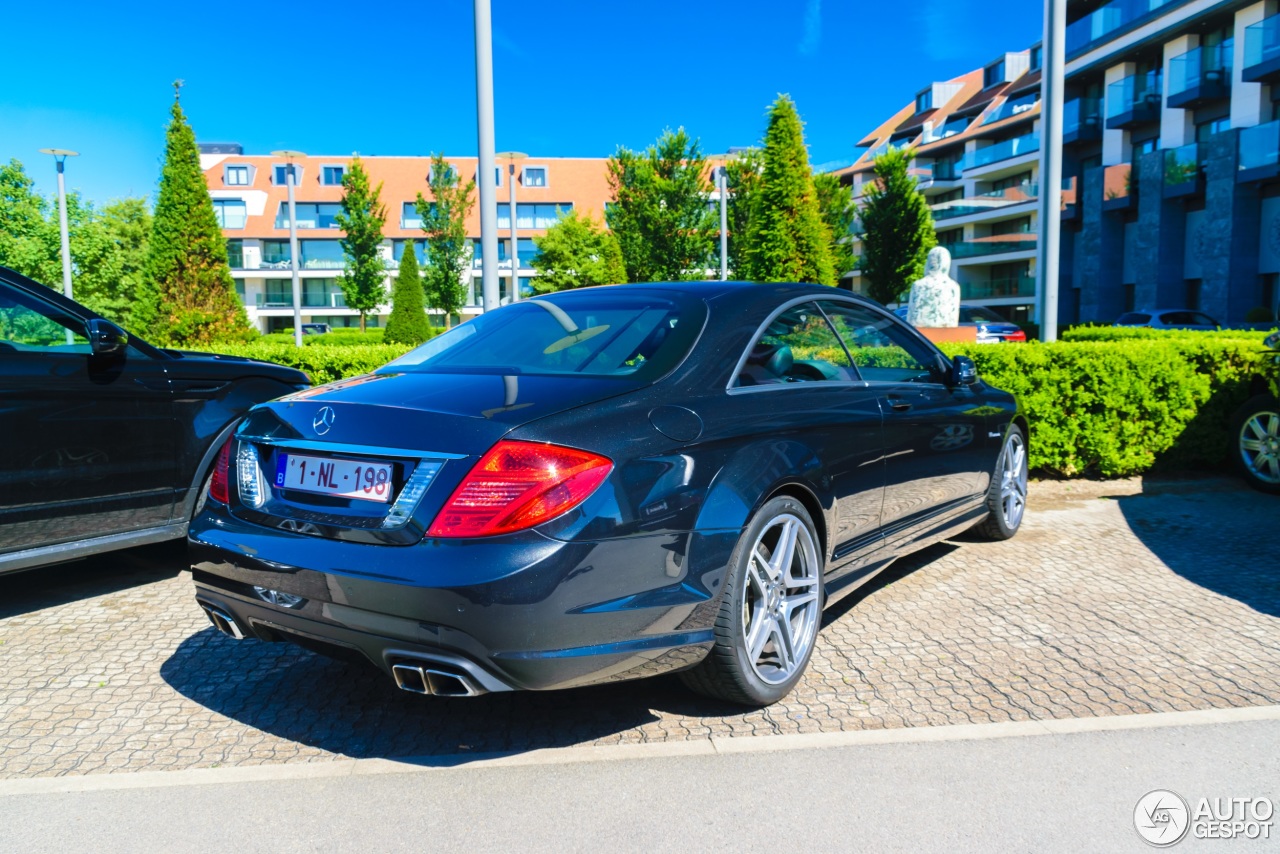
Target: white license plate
x=329, y=476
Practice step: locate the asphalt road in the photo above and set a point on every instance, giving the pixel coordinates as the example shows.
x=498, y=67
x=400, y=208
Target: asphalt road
x=949, y=789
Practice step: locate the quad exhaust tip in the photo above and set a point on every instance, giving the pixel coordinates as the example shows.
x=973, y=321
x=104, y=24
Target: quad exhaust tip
x=429, y=679
x=222, y=621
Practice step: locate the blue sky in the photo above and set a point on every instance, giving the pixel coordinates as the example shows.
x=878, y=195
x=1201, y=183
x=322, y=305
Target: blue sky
x=571, y=78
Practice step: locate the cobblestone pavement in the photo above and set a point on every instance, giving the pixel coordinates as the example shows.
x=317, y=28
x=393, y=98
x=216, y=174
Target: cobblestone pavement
x=1114, y=599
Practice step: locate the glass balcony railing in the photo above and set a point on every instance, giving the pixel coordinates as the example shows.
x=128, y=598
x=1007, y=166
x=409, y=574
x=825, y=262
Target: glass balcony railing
x=276, y=260
x=1013, y=107
x=310, y=299
x=1107, y=20
x=1081, y=115
x=951, y=128
x=1260, y=146
x=1181, y=165
x=1015, y=147
x=987, y=202
x=1117, y=183
x=1202, y=67
x=1008, y=286
x=1261, y=44
x=1070, y=192
x=996, y=245
x=1137, y=97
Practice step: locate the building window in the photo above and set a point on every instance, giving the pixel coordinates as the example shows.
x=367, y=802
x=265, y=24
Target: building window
x=419, y=251
x=275, y=253
x=1146, y=146
x=331, y=176
x=236, y=176
x=1022, y=225
x=924, y=101
x=235, y=255
x=534, y=176
x=993, y=75
x=450, y=174
x=1204, y=130
x=310, y=214
x=280, y=174
x=409, y=216
x=951, y=237
x=321, y=254
x=1036, y=58
x=231, y=213
x=1193, y=294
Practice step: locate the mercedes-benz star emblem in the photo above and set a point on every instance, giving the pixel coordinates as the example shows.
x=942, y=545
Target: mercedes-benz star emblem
x=324, y=420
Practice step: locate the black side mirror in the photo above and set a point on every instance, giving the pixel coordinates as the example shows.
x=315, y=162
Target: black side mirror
x=106, y=339
x=963, y=371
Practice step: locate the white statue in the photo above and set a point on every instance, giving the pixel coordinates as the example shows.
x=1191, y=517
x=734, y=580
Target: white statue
x=935, y=299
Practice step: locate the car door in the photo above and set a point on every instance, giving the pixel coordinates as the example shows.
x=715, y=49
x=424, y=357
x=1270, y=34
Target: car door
x=937, y=453
x=796, y=385
x=86, y=441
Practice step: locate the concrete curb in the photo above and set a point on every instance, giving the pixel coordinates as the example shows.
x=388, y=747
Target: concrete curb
x=716, y=745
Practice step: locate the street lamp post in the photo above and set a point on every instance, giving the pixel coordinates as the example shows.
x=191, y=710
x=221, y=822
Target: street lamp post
x=722, y=183
x=1053, y=57
x=484, y=123
x=291, y=178
x=60, y=155
x=513, y=156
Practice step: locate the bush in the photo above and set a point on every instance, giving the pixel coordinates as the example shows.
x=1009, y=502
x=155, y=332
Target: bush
x=322, y=364
x=1120, y=408
x=1133, y=333
x=1259, y=314
x=340, y=337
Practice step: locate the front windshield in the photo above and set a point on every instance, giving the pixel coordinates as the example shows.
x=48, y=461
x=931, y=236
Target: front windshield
x=605, y=333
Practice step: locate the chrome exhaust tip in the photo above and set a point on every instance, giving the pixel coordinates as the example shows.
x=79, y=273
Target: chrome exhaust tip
x=222, y=621
x=424, y=679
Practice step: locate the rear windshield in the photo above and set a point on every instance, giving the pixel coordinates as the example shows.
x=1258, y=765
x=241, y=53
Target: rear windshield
x=1133, y=318
x=978, y=314
x=633, y=334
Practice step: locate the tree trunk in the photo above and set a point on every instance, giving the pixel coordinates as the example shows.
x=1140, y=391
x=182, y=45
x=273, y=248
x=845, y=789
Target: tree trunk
x=362, y=323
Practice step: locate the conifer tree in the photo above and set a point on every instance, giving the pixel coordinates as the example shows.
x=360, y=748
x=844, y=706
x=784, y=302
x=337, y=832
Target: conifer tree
x=191, y=297
x=742, y=180
x=361, y=217
x=787, y=239
x=897, y=228
x=444, y=220
x=408, y=323
x=835, y=205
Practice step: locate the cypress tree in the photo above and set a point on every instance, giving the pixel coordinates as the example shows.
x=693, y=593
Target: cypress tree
x=787, y=240
x=897, y=228
x=408, y=323
x=835, y=202
x=361, y=217
x=190, y=295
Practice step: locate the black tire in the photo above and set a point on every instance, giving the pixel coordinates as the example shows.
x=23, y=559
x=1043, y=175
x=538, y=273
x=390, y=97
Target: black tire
x=766, y=599
x=1255, y=442
x=1007, y=494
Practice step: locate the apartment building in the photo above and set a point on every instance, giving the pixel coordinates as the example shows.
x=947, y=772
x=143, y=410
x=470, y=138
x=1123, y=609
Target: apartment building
x=250, y=197
x=1171, y=163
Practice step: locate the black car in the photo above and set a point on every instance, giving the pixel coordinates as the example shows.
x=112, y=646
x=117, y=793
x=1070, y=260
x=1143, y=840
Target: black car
x=606, y=484
x=106, y=440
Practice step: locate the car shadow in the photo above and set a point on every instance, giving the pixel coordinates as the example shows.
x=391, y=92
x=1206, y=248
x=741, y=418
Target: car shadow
x=61, y=584
x=896, y=571
x=1220, y=535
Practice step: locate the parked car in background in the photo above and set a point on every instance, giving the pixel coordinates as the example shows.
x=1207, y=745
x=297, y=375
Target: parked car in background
x=992, y=328
x=606, y=484
x=106, y=441
x=1169, y=318
x=1255, y=429
x=315, y=328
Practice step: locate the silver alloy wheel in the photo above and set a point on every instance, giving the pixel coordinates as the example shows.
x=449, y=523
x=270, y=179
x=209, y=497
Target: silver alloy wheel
x=1260, y=446
x=1013, y=481
x=781, y=606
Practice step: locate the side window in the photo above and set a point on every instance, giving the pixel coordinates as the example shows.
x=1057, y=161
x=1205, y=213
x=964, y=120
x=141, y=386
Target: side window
x=797, y=346
x=31, y=324
x=882, y=350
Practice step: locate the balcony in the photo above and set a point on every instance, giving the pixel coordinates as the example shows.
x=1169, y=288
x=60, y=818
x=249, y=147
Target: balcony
x=1201, y=75
x=1259, y=153
x=310, y=299
x=1183, y=175
x=1008, y=286
x=995, y=245
x=1006, y=150
x=1070, y=210
x=1262, y=51
x=1013, y=107
x=1107, y=22
x=1119, y=191
x=1135, y=100
x=1081, y=120
x=951, y=128
x=987, y=202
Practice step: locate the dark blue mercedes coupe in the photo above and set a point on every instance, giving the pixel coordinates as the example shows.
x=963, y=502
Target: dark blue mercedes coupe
x=606, y=484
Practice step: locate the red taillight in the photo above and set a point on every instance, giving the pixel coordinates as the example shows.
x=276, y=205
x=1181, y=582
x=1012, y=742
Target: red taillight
x=218, y=483
x=517, y=485
x=1019, y=335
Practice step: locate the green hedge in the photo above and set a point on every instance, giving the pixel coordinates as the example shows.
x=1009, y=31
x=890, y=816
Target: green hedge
x=322, y=364
x=1120, y=408
x=1142, y=333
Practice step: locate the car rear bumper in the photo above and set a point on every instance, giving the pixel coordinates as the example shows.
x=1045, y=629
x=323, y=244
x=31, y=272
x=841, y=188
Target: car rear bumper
x=517, y=612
